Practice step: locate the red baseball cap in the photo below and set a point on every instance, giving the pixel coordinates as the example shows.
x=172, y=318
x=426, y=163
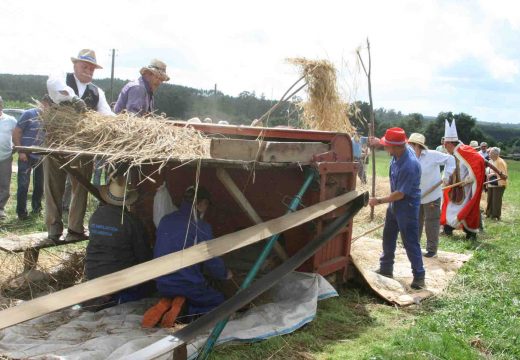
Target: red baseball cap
x=393, y=136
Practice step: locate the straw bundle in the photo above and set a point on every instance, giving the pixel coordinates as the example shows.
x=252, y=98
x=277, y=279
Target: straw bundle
x=324, y=110
x=122, y=138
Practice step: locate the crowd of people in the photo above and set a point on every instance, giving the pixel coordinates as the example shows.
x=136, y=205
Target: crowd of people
x=424, y=197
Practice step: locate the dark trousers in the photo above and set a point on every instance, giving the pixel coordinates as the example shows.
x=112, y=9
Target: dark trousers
x=25, y=168
x=5, y=180
x=402, y=217
x=494, y=201
x=429, y=218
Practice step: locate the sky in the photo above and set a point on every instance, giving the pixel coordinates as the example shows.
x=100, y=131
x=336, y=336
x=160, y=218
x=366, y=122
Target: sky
x=427, y=56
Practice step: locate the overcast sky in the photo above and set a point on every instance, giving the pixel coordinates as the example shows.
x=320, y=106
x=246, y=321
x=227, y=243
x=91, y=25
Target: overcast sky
x=427, y=56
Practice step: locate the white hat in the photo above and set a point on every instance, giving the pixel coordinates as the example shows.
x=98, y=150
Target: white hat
x=474, y=144
x=450, y=132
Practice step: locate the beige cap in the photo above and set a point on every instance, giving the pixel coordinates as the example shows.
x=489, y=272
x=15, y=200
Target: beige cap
x=158, y=68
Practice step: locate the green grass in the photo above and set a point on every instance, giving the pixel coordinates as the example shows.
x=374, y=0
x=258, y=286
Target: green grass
x=476, y=318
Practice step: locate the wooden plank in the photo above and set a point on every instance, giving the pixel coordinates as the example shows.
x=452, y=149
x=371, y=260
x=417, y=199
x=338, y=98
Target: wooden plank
x=245, y=205
x=292, y=151
x=266, y=151
x=19, y=243
x=167, y=264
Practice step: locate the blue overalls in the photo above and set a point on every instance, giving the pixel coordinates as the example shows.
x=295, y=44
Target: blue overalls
x=188, y=282
x=402, y=216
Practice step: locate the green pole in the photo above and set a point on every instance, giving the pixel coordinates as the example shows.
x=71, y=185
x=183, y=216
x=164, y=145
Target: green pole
x=310, y=176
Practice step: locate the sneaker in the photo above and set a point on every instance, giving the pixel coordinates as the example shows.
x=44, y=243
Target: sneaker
x=418, y=283
x=430, y=254
x=388, y=274
x=75, y=236
x=153, y=315
x=3, y=215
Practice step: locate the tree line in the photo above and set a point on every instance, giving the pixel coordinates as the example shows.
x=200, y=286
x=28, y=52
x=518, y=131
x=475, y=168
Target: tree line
x=181, y=102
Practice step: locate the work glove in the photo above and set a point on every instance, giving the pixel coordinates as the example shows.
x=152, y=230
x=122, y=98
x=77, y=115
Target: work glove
x=78, y=104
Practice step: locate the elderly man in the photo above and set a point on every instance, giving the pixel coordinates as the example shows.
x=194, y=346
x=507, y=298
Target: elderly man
x=177, y=231
x=75, y=88
x=497, y=186
x=7, y=125
x=138, y=96
x=430, y=211
x=484, y=150
x=29, y=132
x=402, y=214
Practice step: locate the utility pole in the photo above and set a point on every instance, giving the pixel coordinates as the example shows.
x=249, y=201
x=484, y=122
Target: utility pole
x=112, y=77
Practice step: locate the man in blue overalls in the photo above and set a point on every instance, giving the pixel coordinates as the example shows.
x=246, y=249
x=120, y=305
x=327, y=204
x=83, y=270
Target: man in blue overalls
x=402, y=215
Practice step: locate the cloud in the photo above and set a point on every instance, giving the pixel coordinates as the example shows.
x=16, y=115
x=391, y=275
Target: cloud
x=243, y=45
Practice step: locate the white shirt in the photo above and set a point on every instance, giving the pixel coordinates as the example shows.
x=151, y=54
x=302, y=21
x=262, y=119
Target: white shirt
x=56, y=83
x=431, y=161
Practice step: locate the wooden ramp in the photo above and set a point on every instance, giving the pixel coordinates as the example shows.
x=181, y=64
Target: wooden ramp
x=20, y=243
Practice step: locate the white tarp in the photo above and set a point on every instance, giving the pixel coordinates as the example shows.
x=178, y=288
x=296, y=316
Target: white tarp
x=116, y=332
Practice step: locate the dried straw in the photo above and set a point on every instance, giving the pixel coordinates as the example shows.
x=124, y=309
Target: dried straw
x=122, y=138
x=324, y=110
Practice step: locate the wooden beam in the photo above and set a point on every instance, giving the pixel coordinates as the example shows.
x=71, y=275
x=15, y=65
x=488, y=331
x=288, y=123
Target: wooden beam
x=266, y=151
x=167, y=264
x=245, y=205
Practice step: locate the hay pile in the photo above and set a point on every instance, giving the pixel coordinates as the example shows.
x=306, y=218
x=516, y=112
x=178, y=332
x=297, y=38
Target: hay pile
x=122, y=138
x=324, y=110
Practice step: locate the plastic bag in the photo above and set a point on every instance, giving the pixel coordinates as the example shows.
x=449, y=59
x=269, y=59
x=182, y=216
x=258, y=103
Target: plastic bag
x=162, y=204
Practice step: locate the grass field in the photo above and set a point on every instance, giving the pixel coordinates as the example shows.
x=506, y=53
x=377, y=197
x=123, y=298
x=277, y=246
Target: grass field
x=476, y=318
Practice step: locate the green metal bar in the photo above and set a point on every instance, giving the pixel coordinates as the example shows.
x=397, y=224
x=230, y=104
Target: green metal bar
x=310, y=176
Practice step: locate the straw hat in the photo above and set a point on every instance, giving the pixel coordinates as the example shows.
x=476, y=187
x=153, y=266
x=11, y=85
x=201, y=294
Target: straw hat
x=87, y=55
x=114, y=192
x=156, y=67
x=418, y=139
x=393, y=137
x=474, y=144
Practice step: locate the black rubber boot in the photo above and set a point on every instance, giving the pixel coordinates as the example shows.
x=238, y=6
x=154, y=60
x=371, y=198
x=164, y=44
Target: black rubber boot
x=418, y=283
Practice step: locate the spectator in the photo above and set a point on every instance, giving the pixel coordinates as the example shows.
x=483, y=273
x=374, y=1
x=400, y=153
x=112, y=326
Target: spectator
x=402, y=214
x=76, y=88
x=138, y=96
x=441, y=147
x=496, y=188
x=29, y=132
x=117, y=240
x=180, y=230
x=484, y=150
x=7, y=125
x=430, y=211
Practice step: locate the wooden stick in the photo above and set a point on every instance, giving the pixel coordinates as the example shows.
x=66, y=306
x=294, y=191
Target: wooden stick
x=167, y=264
x=432, y=189
x=371, y=131
x=368, y=232
x=460, y=183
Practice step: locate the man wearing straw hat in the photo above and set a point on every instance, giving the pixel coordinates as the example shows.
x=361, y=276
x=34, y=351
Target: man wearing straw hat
x=77, y=89
x=430, y=211
x=117, y=240
x=138, y=96
x=402, y=214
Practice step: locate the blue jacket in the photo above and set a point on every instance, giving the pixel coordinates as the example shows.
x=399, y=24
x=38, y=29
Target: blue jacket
x=171, y=237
